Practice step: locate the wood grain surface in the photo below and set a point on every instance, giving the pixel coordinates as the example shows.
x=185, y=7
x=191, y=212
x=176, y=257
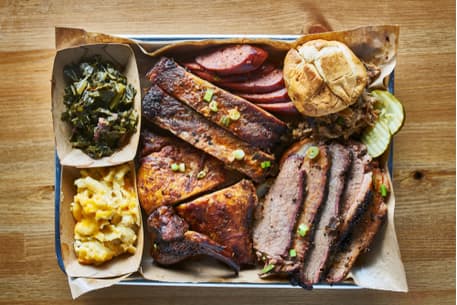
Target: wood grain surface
x=424, y=162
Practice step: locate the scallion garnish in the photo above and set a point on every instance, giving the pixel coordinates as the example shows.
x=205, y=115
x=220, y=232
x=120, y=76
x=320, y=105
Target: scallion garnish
x=238, y=154
x=265, y=164
x=182, y=167
x=312, y=152
x=292, y=253
x=201, y=174
x=174, y=167
x=208, y=95
x=383, y=190
x=302, y=230
x=234, y=114
x=213, y=106
x=267, y=268
x=225, y=120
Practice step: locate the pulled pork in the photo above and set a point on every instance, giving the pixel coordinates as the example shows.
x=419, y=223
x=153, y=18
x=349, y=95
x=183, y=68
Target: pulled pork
x=344, y=124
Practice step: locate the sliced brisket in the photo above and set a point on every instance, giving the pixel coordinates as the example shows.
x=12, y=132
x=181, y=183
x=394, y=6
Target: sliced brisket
x=325, y=232
x=317, y=173
x=360, y=238
x=283, y=203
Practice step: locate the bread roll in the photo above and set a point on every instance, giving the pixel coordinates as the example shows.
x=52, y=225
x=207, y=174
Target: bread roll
x=323, y=77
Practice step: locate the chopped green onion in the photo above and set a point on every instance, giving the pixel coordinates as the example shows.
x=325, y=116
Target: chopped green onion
x=234, y=114
x=383, y=190
x=265, y=164
x=302, y=230
x=267, y=268
x=208, y=95
x=238, y=154
x=213, y=106
x=292, y=253
x=174, y=167
x=201, y=174
x=312, y=152
x=182, y=167
x=225, y=120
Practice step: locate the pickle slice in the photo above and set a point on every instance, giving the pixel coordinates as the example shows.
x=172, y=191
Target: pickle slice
x=392, y=112
x=377, y=139
x=388, y=123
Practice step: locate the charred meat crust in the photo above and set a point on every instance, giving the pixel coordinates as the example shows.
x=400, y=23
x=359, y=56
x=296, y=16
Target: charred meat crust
x=173, y=242
x=326, y=234
x=158, y=184
x=360, y=238
x=170, y=114
x=255, y=125
x=280, y=209
x=226, y=217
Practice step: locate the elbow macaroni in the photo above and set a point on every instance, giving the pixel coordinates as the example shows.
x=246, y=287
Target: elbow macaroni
x=107, y=215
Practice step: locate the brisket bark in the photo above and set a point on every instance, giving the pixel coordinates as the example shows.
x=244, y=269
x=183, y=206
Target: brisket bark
x=325, y=233
x=317, y=171
x=362, y=235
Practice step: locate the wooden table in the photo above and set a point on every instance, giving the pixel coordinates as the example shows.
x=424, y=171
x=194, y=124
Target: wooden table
x=424, y=174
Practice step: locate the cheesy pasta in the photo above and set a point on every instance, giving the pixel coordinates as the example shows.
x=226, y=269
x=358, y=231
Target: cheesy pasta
x=107, y=215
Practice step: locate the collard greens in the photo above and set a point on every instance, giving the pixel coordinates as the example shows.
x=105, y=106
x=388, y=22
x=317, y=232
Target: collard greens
x=99, y=107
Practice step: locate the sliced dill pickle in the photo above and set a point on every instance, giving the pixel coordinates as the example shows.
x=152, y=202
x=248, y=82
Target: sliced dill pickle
x=377, y=138
x=392, y=112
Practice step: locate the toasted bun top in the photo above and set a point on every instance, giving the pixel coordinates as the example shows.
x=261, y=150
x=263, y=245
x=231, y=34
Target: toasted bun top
x=323, y=77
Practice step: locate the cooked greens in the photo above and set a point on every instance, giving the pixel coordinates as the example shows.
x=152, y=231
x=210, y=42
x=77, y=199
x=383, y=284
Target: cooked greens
x=99, y=107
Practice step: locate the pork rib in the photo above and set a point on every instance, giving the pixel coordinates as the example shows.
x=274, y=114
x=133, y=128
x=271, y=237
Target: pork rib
x=172, y=115
x=254, y=125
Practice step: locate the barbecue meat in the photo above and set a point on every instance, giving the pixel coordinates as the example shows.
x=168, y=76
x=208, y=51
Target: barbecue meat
x=173, y=242
x=233, y=59
x=158, y=184
x=283, y=203
x=170, y=114
x=226, y=217
x=363, y=234
x=358, y=189
x=317, y=172
x=254, y=125
x=325, y=233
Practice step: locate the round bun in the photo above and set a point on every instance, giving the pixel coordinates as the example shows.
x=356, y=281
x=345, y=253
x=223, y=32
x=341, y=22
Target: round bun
x=323, y=77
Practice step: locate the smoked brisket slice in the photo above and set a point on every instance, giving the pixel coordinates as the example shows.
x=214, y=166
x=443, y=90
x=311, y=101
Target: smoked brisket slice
x=325, y=232
x=172, y=115
x=254, y=125
x=273, y=230
x=358, y=189
x=360, y=238
x=317, y=174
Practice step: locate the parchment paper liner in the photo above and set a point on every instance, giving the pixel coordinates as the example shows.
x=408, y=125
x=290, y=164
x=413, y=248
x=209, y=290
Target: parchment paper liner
x=114, y=270
x=382, y=267
x=120, y=54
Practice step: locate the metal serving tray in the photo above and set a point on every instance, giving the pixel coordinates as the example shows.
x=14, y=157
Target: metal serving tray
x=162, y=40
